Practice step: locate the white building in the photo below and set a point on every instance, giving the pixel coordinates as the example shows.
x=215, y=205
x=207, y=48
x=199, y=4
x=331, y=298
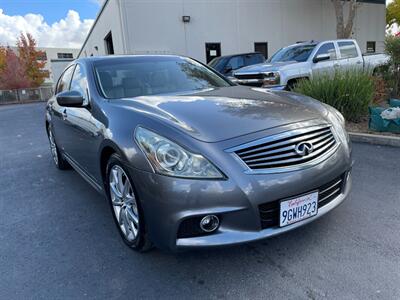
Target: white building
x=205, y=28
x=56, y=60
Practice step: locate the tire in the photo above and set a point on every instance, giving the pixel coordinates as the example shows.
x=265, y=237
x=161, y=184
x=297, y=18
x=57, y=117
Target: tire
x=125, y=206
x=58, y=159
x=291, y=85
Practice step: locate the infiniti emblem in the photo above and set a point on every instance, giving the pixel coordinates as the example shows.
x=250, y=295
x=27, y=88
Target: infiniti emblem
x=304, y=148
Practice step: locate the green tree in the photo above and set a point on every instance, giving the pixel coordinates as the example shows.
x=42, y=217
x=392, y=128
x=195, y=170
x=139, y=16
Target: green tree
x=392, y=48
x=393, y=13
x=2, y=58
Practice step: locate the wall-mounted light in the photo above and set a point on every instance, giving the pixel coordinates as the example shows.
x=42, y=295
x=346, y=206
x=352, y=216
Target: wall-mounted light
x=185, y=19
x=96, y=48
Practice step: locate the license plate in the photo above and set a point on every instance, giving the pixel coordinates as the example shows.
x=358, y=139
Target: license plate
x=298, y=209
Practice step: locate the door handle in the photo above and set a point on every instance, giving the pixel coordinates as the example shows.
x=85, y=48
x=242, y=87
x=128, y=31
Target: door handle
x=359, y=62
x=64, y=114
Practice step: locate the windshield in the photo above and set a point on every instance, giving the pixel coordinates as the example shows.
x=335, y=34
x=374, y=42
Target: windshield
x=152, y=75
x=218, y=63
x=298, y=53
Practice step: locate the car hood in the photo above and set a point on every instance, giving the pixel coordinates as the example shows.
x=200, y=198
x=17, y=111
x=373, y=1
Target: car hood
x=225, y=113
x=264, y=67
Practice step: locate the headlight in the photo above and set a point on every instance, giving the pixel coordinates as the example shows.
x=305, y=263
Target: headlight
x=168, y=158
x=271, y=78
x=338, y=122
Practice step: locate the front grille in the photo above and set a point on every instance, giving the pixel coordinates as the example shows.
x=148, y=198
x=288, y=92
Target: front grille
x=269, y=212
x=279, y=151
x=250, y=76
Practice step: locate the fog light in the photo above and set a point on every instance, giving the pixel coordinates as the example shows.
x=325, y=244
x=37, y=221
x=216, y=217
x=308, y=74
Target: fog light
x=209, y=223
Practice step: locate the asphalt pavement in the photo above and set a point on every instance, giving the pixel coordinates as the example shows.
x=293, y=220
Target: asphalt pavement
x=58, y=239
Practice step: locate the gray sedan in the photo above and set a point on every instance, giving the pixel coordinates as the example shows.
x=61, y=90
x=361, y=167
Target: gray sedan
x=187, y=159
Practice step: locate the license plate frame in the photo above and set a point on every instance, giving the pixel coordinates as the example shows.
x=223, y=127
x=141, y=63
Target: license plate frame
x=298, y=202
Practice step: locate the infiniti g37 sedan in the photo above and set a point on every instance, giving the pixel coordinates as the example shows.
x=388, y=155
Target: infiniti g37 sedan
x=188, y=159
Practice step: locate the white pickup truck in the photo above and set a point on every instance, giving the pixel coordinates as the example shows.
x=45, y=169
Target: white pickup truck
x=304, y=60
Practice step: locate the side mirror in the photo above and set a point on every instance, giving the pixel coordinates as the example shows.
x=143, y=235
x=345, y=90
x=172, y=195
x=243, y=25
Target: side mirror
x=321, y=57
x=70, y=99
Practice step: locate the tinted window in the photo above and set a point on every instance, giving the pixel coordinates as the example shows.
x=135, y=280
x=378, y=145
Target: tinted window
x=141, y=76
x=236, y=62
x=347, y=49
x=253, y=59
x=218, y=63
x=298, y=53
x=63, y=83
x=328, y=48
x=79, y=81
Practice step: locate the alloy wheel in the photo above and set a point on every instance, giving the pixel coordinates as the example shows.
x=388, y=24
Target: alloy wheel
x=124, y=203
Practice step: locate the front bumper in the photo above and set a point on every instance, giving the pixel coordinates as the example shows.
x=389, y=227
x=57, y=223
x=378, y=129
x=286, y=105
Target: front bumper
x=168, y=201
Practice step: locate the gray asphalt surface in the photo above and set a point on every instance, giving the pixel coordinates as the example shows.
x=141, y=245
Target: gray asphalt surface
x=57, y=238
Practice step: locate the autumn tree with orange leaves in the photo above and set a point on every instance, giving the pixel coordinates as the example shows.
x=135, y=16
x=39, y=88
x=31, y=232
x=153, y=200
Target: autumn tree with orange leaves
x=12, y=73
x=24, y=69
x=31, y=60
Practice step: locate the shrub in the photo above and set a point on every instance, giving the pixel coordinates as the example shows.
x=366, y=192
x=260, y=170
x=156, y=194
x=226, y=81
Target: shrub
x=392, y=48
x=350, y=91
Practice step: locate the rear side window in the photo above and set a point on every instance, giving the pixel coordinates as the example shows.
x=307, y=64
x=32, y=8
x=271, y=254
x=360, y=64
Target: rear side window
x=65, y=79
x=347, y=49
x=253, y=59
x=328, y=48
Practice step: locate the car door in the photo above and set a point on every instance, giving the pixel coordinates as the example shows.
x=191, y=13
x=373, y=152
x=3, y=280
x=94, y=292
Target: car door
x=350, y=56
x=82, y=129
x=325, y=66
x=58, y=111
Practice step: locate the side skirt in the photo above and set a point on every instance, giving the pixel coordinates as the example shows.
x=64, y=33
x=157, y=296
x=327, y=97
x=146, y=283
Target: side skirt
x=82, y=172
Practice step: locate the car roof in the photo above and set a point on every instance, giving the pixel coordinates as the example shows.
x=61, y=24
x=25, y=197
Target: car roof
x=112, y=57
x=239, y=54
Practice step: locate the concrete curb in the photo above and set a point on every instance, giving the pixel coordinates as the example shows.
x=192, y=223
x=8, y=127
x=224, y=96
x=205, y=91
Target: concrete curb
x=375, y=139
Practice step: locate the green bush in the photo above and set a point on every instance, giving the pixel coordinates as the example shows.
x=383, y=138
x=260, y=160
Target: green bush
x=392, y=48
x=350, y=91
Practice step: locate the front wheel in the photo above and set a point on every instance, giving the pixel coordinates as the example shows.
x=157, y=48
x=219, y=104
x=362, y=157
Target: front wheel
x=125, y=206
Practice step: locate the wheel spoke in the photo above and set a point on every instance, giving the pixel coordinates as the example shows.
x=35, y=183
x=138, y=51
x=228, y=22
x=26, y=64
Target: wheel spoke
x=123, y=222
x=120, y=181
x=115, y=191
x=132, y=216
x=126, y=188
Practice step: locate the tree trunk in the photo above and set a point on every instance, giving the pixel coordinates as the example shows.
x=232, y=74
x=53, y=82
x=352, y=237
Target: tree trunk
x=344, y=31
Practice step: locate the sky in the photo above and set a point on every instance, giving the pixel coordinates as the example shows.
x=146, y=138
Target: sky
x=53, y=23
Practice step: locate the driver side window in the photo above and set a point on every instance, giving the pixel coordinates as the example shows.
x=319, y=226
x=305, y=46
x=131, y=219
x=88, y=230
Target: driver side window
x=328, y=48
x=79, y=82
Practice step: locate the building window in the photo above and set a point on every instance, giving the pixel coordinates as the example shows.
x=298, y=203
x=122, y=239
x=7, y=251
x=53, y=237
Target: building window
x=262, y=48
x=371, y=47
x=64, y=55
x=109, y=44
